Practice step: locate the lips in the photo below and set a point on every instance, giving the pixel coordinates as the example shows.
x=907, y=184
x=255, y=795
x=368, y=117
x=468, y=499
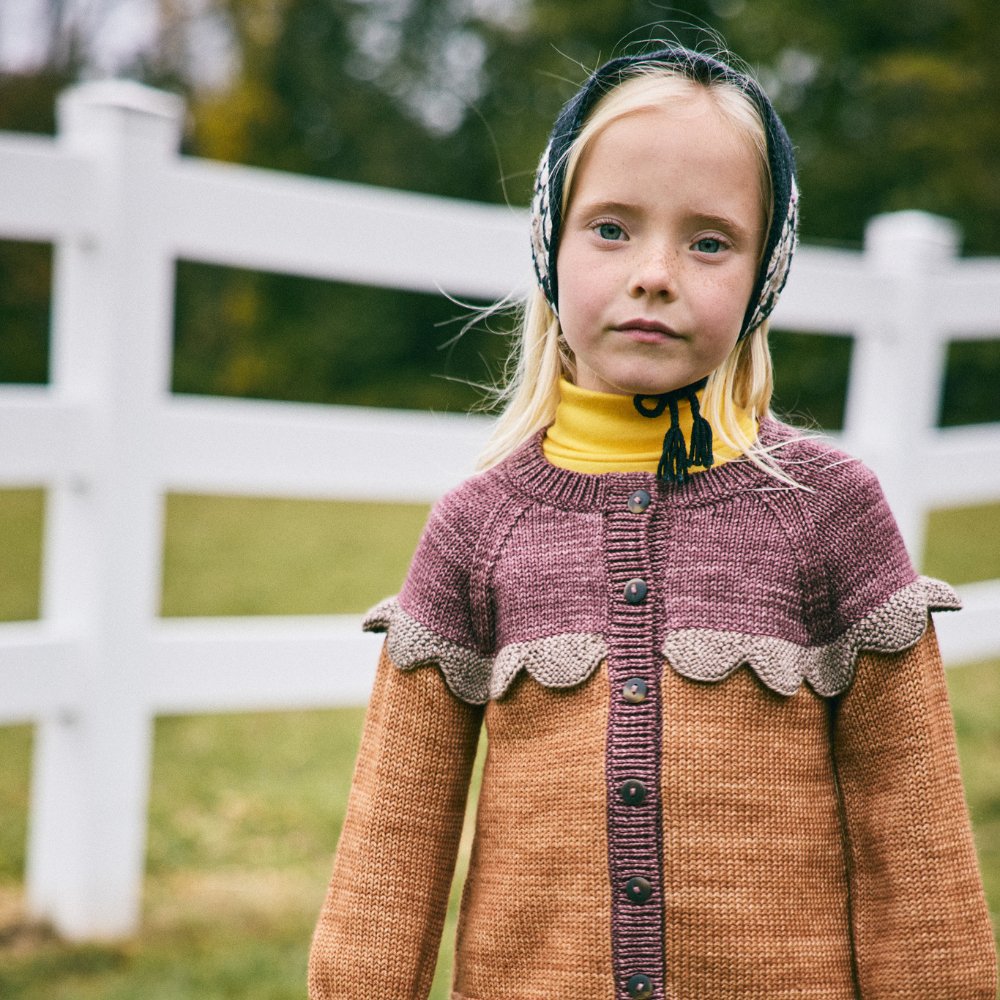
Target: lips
x=646, y=329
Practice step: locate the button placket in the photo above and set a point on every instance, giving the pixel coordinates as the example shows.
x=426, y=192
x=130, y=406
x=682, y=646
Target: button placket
x=634, y=746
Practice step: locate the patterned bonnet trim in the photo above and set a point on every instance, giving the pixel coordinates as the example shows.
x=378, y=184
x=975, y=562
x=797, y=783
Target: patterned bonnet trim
x=546, y=203
x=564, y=661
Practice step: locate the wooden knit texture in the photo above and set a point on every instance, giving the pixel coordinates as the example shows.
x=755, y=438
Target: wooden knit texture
x=754, y=870
x=379, y=929
x=535, y=920
x=921, y=926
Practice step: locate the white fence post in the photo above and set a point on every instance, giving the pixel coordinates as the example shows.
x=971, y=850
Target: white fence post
x=113, y=307
x=899, y=358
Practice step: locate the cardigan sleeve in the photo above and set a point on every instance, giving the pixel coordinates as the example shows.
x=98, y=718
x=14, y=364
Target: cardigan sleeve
x=380, y=926
x=919, y=918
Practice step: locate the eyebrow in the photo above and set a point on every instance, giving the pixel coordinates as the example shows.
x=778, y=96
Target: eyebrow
x=723, y=222
x=599, y=207
x=701, y=218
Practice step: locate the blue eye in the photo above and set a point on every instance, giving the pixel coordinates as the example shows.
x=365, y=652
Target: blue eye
x=610, y=231
x=709, y=244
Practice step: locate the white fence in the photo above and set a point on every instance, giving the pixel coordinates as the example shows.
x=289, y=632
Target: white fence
x=108, y=441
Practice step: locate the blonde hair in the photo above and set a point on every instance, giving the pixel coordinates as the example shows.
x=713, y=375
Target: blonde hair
x=541, y=357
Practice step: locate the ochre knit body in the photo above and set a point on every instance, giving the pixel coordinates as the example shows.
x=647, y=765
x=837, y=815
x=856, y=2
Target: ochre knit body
x=797, y=839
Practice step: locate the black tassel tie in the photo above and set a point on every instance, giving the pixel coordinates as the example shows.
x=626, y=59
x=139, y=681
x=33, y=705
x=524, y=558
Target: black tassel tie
x=677, y=458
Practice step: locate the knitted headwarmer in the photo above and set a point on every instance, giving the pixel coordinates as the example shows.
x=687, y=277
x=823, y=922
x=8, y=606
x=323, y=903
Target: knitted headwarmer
x=547, y=207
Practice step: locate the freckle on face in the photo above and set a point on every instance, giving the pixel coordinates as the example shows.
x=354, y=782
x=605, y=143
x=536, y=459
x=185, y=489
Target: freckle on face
x=676, y=183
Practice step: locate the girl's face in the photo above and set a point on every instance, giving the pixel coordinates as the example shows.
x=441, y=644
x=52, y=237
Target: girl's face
x=659, y=249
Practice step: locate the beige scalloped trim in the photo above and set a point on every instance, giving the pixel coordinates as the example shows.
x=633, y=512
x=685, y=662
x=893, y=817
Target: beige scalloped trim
x=563, y=661
x=558, y=661
x=711, y=655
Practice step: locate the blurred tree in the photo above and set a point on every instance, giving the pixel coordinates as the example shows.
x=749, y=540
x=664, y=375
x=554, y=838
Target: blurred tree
x=893, y=104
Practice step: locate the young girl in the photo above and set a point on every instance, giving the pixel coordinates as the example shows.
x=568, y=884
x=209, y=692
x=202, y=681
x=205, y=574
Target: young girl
x=631, y=597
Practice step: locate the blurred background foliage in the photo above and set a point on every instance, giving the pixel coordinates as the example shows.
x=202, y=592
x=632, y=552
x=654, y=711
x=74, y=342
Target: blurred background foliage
x=892, y=104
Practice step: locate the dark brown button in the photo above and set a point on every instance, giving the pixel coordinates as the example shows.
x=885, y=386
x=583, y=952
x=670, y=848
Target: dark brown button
x=638, y=501
x=635, y=591
x=638, y=889
x=632, y=792
x=639, y=986
x=634, y=690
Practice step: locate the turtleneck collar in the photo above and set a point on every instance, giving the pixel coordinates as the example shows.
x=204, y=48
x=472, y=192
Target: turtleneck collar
x=602, y=432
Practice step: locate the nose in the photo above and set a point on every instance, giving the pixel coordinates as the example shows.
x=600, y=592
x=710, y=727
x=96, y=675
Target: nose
x=654, y=274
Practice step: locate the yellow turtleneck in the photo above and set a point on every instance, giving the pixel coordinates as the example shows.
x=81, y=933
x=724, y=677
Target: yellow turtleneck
x=602, y=432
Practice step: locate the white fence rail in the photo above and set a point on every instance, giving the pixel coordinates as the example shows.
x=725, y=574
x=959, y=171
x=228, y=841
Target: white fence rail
x=108, y=441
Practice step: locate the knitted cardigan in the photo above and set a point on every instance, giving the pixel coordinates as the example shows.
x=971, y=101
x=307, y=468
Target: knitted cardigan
x=666, y=810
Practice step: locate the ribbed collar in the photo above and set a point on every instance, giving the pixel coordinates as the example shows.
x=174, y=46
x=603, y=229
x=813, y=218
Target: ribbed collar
x=598, y=432
x=530, y=473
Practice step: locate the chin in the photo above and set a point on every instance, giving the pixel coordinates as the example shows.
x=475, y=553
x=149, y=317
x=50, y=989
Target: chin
x=646, y=388
x=635, y=382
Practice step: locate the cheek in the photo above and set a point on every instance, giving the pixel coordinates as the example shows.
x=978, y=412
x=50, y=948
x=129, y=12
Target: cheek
x=720, y=319
x=578, y=298
x=574, y=302
x=726, y=300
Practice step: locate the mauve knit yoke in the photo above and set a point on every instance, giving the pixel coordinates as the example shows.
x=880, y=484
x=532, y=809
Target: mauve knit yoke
x=529, y=569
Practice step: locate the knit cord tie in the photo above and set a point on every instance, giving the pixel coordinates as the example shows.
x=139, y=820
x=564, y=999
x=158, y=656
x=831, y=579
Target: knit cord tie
x=677, y=458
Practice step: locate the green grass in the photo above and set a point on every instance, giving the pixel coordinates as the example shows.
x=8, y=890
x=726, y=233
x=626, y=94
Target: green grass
x=962, y=544
x=21, y=513
x=245, y=808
